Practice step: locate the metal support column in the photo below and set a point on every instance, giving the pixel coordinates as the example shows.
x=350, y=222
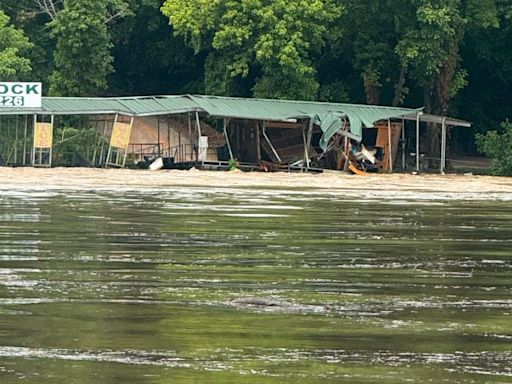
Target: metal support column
x=390, y=157
x=199, y=134
x=310, y=136
x=305, y=142
x=25, y=141
x=443, y=145
x=95, y=152
x=227, y=139
x=190, y=136
x=51, y=148
x=346, y=145
x=403, y=144
x=198, y=124
x=417, y=141
x=16, y=140
x=126, y=150
x=102, y=151
x=158, y=135
x=109, y=153
x=264, y=131
x=168, y=137
x=33, y=149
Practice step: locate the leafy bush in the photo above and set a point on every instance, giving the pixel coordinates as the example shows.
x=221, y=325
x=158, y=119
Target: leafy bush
x=498, y=147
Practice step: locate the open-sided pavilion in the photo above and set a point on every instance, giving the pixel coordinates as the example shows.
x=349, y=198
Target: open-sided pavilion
x=332, y=118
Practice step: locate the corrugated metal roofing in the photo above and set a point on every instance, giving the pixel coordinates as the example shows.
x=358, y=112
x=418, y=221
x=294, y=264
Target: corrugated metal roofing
x=228, y=107
x=429, y=118
x=261, y=109
x=265, y=109
x=132, y=106
x=231, y=107
x=75, y=106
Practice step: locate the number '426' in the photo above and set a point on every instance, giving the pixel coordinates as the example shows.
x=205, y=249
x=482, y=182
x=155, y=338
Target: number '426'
x=12, y=101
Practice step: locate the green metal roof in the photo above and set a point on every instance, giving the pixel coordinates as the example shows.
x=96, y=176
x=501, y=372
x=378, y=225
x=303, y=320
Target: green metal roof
x=327, y=115
x=246, y=108
x=132, y=106
x=70, y=106
x=269, y=109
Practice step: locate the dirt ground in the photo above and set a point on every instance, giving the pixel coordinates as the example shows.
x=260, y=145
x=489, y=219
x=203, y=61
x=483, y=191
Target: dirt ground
x=387, y=186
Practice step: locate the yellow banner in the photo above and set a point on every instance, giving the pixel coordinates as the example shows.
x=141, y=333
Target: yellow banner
x=43, y=135
x=121, y=135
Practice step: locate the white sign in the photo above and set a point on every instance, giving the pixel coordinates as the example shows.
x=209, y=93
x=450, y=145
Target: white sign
x=21, y=95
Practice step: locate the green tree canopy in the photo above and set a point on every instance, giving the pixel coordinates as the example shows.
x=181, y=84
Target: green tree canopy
x=14, y=47
x=452, y=56
x=273, y=40
x=497, y=145
x=82, y=55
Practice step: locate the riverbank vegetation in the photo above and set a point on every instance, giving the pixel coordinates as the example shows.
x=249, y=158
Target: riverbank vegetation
x=451, y=56
x=497, y=145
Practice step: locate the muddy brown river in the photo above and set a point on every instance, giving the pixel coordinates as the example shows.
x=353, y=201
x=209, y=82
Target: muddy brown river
x=195, y=284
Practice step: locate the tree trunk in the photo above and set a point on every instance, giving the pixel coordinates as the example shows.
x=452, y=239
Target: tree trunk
x=431, y=141
x=371, y=88
x=443, y=84
x=400, y=88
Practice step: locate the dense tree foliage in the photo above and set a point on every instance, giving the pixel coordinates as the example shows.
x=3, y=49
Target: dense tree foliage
x=275, y=39
x=497, y=145
x=451, y=56
x=14, y=46
x=82, y=55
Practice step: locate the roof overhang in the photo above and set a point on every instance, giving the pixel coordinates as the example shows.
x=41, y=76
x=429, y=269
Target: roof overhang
x=436, y=119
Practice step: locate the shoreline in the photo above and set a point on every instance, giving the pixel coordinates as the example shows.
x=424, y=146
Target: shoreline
x=397, y=185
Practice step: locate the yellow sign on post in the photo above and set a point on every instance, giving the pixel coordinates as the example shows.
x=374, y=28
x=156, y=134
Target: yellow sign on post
x=121, y=135
x=43, y=135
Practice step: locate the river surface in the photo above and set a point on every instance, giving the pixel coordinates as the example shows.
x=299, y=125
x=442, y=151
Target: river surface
x=199, y=285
